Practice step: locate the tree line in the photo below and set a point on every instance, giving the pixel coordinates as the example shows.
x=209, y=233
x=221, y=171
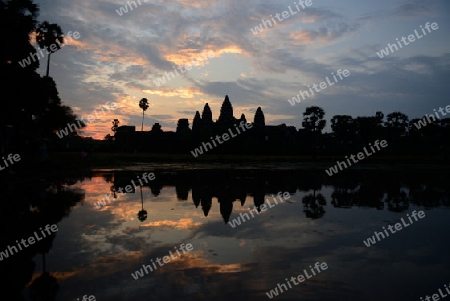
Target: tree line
x=395, y=127
x=32, y=109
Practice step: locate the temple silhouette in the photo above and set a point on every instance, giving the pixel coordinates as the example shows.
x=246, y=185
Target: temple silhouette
x=260, y=136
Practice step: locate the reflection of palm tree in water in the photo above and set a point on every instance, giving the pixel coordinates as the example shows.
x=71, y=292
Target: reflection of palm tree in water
x=45, y=287
x=113, y=191
x=142, y=215
x=313, y=205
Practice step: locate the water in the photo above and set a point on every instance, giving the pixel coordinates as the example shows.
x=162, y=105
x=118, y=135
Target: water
x=325, y=220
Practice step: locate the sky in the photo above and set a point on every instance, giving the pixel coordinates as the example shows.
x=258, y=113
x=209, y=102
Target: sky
x=118, y=57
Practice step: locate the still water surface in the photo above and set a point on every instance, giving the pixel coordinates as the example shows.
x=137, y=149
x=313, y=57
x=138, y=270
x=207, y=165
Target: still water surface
x=325, y=219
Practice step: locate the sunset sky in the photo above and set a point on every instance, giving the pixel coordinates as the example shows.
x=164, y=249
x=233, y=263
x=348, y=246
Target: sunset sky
x=117, y=58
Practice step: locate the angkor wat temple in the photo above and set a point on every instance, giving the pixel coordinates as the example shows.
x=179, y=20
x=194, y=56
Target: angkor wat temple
x=261, y=137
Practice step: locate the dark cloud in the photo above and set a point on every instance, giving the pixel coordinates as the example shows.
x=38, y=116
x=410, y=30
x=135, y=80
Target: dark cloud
x=411, y=10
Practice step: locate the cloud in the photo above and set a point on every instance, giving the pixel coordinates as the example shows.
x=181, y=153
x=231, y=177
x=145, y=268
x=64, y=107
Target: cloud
x=409, y=10
x=324, y=34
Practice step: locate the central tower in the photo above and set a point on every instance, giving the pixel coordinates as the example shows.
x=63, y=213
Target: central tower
x=226, y=112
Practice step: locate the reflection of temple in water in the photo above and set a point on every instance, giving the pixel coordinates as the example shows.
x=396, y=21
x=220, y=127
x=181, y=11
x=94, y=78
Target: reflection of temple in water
x=372, y=189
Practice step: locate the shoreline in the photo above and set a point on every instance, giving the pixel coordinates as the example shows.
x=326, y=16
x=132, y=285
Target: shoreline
x=71, y=162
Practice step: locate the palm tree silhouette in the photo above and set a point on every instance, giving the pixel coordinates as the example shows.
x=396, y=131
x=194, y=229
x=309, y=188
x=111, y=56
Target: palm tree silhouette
x=49, y=36
x=45, y=287
x=142, y=215
x=115, y=126
x=143, y=104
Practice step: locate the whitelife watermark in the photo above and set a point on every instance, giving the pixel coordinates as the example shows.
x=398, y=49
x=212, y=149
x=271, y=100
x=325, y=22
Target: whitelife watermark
x=86, y=120
x=166, y=259
x=199, y=150
x=284, y=15
x=273, y=293
x=436, y=297
x=237, y=221
x=170, y=75
x=10, y=158
x=128, y=189
x=423, y=122
x=53, y=47
x=124, y=9
x=31, y=240
x=86, y=298
x=411, y=38
x=371, y=240
x=360, y=155
x=322, y=86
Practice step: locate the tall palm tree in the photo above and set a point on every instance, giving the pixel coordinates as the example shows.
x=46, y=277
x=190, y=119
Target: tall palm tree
x=49, y=37
x=44, y=287
x=115, y=126
x=143, y=104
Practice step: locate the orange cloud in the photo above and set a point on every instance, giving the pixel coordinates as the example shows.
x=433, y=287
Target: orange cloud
x=190, y=57
x=309, y=19
x=183, y=93
x=302, y=37
x=230, y=49
x=191, y=3
x=60, y=276
x=109, y=51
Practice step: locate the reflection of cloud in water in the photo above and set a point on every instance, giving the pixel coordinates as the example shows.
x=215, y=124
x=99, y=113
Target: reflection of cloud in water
x=184, y=223
x=61, y=276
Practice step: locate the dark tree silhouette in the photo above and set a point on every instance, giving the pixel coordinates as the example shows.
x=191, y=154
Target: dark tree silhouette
x=47, y=111
x=143, y=104
x=49, y=37
x=115, y=126
x=45, y=287
x=313, y=119
x=20, y=19
x=40, y=112
x=369, y=128
x=342, y=125
x=397, y=124
x=344, y=129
